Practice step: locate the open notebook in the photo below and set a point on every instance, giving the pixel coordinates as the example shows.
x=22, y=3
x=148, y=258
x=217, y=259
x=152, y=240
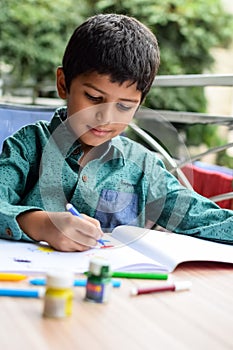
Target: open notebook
x=134, y=249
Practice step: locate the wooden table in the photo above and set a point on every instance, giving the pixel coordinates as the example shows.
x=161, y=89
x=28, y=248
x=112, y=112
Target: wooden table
x=201, y=318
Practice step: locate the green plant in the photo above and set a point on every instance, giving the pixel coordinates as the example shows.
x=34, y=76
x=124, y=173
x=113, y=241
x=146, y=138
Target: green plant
x=33, y=37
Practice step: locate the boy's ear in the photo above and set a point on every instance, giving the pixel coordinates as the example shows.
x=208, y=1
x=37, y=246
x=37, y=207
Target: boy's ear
x=61, y=84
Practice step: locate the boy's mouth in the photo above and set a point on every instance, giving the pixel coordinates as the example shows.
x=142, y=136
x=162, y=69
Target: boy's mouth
x=99, y=131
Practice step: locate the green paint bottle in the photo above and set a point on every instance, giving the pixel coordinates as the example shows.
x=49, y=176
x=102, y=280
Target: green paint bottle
x=99, y=284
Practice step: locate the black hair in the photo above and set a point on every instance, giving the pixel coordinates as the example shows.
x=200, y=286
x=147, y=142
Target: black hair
x=116, y=45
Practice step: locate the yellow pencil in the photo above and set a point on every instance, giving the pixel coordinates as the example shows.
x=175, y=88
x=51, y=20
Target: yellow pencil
x=6, y=276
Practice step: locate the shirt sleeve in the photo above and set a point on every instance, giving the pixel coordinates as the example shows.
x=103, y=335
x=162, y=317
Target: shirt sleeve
x=14, y=169
x=184, y=211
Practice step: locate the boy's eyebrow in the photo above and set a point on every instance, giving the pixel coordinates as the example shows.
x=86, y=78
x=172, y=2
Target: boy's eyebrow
x=103, y=92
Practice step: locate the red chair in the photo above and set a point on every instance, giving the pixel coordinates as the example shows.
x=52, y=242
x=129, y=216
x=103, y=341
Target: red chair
x=213, y=182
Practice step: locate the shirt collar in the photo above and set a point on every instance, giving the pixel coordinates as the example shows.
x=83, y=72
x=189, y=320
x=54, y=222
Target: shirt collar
x=62, y=134
x=67, y=142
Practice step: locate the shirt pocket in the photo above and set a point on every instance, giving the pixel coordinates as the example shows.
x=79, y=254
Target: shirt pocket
x=116, y=208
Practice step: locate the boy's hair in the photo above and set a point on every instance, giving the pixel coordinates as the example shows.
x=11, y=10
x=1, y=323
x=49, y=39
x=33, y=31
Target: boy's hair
x=116, y=45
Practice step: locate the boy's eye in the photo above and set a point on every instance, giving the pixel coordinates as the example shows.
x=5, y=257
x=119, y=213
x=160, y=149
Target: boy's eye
x=123, y=107
x=93, y=98
x=99, y=99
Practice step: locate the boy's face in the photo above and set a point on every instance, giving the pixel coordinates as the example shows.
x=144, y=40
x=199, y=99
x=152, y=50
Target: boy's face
x=98, y=109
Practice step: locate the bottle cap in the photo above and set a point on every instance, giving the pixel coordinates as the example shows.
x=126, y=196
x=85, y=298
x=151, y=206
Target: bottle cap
x=99, y=266
x=60, y=279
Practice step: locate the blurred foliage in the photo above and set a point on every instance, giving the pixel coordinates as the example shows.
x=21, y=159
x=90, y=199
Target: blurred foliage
x=224, y=159
x=34, y=34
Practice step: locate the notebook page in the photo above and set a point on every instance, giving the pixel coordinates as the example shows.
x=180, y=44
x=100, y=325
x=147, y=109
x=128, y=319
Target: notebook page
x=171, y=249
x=38, y=258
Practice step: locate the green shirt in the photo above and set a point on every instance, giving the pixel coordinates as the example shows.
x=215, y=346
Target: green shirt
x=121, y=183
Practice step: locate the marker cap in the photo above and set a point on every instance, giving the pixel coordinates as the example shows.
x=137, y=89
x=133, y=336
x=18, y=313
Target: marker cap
x=134, y=291
x=182, y=285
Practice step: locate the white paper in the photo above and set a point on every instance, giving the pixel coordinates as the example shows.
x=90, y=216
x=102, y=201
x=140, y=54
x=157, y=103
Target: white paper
x=135, y=249
x=33, y=258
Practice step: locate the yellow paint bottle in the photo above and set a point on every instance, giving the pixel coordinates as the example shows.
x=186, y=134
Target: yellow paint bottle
x=58, y=299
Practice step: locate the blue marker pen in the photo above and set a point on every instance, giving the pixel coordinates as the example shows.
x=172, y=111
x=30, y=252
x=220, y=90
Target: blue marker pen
x=22, y=293
x=75, y=212
x=77, y=282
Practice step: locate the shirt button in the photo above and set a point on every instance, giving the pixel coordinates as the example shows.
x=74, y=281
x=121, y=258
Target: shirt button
x=84, y=178
x=77, y=151
x=9, y=232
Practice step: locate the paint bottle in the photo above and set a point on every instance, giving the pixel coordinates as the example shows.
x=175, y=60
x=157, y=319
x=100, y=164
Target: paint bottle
x=99, y=284
x=58, y=299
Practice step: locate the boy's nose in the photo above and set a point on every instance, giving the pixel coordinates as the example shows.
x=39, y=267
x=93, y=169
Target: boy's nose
x=104, y=114
x=99, y=116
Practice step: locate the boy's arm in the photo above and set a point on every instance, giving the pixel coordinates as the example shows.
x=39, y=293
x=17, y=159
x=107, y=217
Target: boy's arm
x=25, y=222
x=14, y=169
x=186, y=212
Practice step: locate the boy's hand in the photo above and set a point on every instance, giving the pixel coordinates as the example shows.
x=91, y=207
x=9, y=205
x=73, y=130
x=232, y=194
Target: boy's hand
x=61, y=230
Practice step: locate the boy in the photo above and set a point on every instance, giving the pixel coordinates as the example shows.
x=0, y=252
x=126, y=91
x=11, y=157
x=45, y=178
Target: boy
x=108, y=67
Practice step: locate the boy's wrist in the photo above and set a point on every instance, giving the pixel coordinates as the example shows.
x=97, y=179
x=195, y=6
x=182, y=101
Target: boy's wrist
x=32, y=223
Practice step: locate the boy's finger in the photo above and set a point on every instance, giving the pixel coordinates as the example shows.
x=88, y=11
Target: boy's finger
x=92, y=220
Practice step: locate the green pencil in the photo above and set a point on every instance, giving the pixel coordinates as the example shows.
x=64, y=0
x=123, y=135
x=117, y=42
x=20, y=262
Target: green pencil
x=141, y=275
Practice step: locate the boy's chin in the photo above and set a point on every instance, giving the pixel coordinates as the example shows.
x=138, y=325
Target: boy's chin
x=93, y=144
